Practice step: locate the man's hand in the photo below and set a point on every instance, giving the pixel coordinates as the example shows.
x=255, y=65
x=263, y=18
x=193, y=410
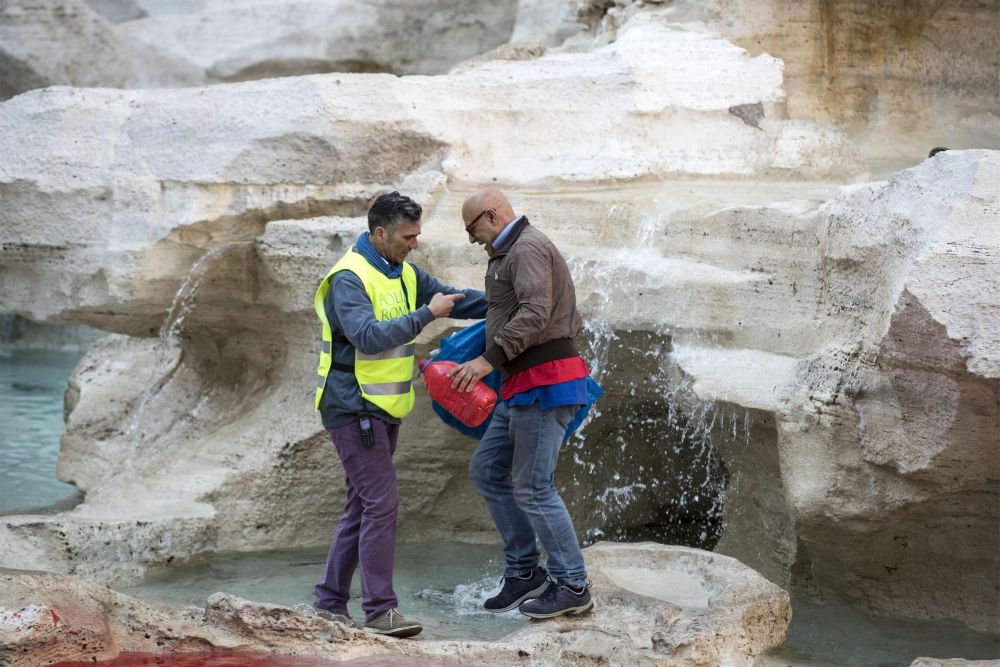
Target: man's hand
x=464, y=376
x=441, y=304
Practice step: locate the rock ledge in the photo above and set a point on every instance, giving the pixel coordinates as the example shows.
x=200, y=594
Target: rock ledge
x=655, y=604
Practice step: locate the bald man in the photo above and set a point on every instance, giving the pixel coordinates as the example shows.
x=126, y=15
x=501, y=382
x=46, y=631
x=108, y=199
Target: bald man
x=531, y=320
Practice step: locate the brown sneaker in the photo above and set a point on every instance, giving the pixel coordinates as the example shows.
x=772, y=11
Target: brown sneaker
x=393, y=624
x=336, y=617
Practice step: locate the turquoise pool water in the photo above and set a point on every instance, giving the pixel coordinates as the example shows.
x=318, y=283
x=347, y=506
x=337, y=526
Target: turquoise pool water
x=32, y=383
x=442, y=585
x=839, y=635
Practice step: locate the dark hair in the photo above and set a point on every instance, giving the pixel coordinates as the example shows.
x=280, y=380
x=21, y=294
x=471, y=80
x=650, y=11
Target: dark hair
x=389, y=209
x=936, y=150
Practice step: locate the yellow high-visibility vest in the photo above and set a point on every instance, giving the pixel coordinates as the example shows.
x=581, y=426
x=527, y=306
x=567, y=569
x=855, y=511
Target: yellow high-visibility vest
x=385, y=378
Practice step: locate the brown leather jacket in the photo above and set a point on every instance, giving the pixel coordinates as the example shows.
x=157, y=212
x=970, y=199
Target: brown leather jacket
x=532, y=316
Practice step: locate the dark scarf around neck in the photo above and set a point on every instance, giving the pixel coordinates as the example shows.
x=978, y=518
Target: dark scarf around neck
x=364, y=247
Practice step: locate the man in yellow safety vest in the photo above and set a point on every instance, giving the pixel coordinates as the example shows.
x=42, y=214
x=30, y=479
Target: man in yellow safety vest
x=372, y=304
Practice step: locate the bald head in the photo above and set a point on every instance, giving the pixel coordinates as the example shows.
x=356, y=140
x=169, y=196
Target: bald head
x=485, y=213
x=484, y=199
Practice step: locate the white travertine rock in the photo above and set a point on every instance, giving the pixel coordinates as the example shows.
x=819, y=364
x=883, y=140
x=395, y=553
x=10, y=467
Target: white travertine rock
x=135, y=44
x=799, y=145
x=238, y=40
x=858, y=336
x=49, y=42
x=716, y=612
x=119, y=163
x=544, y=22
x=915, y=80
x=892, y=437
x=119, y=11
x=762, y=383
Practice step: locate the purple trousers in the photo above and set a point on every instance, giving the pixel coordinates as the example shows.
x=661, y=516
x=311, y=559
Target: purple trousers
x=367, y=531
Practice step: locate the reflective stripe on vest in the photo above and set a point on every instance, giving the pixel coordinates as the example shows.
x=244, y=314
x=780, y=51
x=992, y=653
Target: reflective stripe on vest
x=393, y=353
x=387, y=388
x=385, y=378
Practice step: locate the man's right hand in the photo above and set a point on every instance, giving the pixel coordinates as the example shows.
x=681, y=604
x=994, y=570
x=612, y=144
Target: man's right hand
x=441, y=304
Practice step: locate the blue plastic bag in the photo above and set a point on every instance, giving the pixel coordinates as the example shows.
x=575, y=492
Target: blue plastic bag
x=469, y=343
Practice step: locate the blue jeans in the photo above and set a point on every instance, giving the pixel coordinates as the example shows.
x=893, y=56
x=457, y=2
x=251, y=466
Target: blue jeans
x=513, y=468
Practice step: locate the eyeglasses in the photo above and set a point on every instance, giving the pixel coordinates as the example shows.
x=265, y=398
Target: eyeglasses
x=468, y=227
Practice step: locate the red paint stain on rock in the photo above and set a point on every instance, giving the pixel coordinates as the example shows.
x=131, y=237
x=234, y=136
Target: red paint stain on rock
x=245, y=659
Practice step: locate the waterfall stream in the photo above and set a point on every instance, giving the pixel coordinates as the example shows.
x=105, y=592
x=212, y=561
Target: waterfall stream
x=170, y=334
x=665, y=478
x=183, y=301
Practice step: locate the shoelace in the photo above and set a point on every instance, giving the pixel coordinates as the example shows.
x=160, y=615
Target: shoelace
x=550, y=592
x=393, y=614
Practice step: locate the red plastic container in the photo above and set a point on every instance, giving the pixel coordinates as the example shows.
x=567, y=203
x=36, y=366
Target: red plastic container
x=469, y=407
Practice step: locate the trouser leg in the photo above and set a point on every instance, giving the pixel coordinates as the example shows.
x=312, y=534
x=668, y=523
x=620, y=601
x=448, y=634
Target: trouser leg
x=372, y=476
x=333, y=591
x=537, y=436
x=490, y=474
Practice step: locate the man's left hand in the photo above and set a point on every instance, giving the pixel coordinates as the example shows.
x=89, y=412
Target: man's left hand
x=464, y=376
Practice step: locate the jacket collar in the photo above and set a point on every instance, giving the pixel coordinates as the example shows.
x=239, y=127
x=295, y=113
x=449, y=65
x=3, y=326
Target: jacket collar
x=511, y=237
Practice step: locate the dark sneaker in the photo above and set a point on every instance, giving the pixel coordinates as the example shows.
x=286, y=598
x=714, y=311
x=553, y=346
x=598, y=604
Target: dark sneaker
x=558, y=600
x=336, y=617
x=516, y=590
x=393, y=624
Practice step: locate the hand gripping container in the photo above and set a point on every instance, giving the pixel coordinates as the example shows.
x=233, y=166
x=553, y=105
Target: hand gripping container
x=471, y=408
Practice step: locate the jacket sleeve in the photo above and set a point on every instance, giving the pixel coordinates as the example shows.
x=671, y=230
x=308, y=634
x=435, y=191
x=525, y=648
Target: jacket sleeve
x=531, y=276
x=472, y=307
x=356, y=316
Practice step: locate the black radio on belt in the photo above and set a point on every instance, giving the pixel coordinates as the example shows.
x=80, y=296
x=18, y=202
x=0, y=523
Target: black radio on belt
x=367, y=437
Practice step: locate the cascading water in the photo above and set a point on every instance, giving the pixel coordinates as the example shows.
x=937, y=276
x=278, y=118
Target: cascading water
x=183, y=301
x=170, y=336
x=657, y=473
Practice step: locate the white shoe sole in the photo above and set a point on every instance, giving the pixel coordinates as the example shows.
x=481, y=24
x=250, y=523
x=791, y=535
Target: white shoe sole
x=517, y=603
x=571, y=611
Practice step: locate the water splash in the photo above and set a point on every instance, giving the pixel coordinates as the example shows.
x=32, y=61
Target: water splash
x=655, y=471
x=469, y=597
